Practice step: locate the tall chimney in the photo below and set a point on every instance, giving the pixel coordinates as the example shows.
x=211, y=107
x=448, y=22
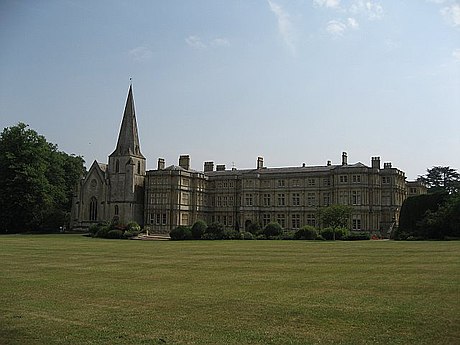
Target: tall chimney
x=208, y=166
x=260, y=162
x=161, y=164
x=184, y=162
x=344, y=158
x=375, y=162
x=387, y=165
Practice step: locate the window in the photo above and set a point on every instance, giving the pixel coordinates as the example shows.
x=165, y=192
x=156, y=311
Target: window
x=185, y=182
x=281, y=219
x=356, y=178
x=157, y=218
x=413, y=190
x=386, y=199
x=117, y=166
x=116, y=210
x=343, y=178
x=295, y=221
x=356, y=223
x=281, y=183
x=152, y=218
x=138, y=168
x=385, y=179
x=230, y=201
x=343, y=198
x=266, y=219
x=249, y=200
x=295, y=199
x=311, y=181
x=281, y=200
x=225, y=184
x=296, y=183
x=265, y=183
x=163, y=219
x=93, y=209
x=311, y=219
x=326, y=199
x=184, y=219
x=355, y=197
x=230, y=220
x=219, y=201
x=266, y=199
x=311, y=199
x=225, y=201
x=327, y=181
x=185, y=198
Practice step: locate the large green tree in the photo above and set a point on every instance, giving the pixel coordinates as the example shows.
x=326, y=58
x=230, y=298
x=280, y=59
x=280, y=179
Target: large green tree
x=442, y=179
x=335, y=217
x=36, y=181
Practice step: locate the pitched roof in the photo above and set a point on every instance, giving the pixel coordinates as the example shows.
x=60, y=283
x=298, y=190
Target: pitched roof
x=283, y=170
x=128, y=139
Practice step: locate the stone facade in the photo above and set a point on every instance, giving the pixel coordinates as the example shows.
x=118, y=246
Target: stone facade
x=166, y=197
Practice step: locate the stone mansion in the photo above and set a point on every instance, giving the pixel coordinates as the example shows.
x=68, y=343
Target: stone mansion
x=169, y=196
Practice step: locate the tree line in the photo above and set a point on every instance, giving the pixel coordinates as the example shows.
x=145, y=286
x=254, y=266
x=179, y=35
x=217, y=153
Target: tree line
x=36, y=181
x=435, y=215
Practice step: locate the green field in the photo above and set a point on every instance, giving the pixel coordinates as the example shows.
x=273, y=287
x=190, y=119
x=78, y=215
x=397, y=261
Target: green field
x=70, y=289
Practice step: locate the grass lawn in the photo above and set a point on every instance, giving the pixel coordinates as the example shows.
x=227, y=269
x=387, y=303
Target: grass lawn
x=69, y=289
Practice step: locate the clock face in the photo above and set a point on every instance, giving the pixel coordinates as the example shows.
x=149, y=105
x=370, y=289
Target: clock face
x=93, y=184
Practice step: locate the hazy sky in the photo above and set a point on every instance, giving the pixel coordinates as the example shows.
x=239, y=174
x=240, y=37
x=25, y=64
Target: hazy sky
x=293, y=81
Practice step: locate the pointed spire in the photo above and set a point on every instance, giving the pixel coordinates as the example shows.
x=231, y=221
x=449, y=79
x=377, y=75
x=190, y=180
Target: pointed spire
x=128, y=139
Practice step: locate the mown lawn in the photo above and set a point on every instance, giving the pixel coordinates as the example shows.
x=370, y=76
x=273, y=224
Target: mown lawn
x=69, y=289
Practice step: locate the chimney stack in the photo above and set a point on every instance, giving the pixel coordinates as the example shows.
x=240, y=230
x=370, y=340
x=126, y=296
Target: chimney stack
x=344, y=158
x=375, y=162
x=387, y=165
x=220, y=167
x=184, y=162
x=328, y=163
x=260, y=162
x=208, y=166
x=161, y=164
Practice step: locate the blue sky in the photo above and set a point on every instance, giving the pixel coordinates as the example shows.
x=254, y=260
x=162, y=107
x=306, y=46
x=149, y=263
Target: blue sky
x=295, y=81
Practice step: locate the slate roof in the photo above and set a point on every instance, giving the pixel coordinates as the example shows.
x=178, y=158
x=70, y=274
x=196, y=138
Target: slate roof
x=284, y=170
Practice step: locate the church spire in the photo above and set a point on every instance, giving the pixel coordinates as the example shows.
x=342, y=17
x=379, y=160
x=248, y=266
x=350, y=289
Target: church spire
x=128, y=139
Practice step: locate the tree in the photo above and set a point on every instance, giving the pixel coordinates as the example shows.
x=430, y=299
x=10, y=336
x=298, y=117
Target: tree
x=198, y=229
x=272, y=229
x=36, y=181
x=442, y=179
x=335, y=217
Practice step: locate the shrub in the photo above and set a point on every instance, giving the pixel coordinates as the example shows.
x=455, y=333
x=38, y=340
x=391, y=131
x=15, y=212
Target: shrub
x=247, y=236
x=230, y=234
x=328, y=233
x=181, y=233
x=115, y=234
x=320, y=238
x=287, y=235
x=93, y=229
x=129, y=234
x=357, y=236
x=215, y=231
x=198, y=229
x=261, y=237
x=254, y=228
x=308, y=232
x=133, y=226
x=103, y=231
x=272, y=229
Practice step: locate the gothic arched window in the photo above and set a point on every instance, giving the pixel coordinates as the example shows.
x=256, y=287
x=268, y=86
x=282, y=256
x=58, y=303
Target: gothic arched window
x=93, y=209
x=116, y=210
x=117, y=166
